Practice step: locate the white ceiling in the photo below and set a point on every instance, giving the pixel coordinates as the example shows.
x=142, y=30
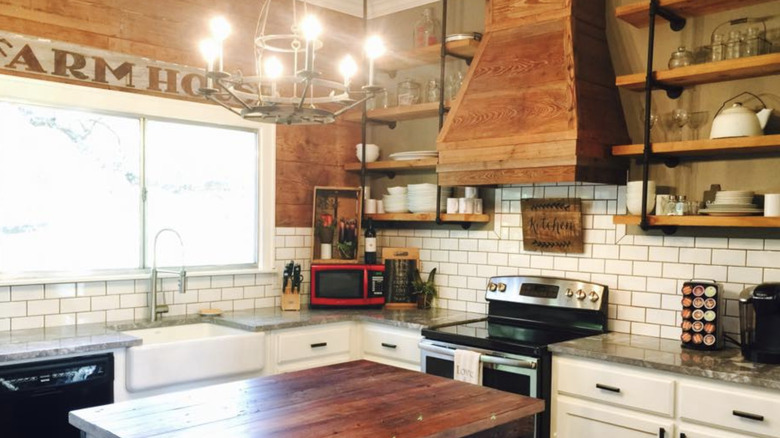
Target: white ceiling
x=376, y=8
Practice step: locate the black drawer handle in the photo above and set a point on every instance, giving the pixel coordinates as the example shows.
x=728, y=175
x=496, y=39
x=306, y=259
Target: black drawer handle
x=661, y=432
x=607, y=388
x=319, y=344
x=748, y=415
x=682, y=435
x=393, y=346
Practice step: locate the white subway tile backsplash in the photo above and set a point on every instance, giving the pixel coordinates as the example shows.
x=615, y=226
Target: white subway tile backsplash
x=5, y=293
x=23, y=293
x=729, y=257
x=662, y=285
x=62, y=319
x=627, y=282
x=130, y=300
x=745, y=275
x=542, y=262
x=695, y=255
x=746, y=244
x=628, y=313
x=618, y=267
x=28, y=322
x=772, y=275
x=118, y=315
x=642, y=299
x=638, y=328
x=648, y=269
x=634, y=253
x=711, y=272
x=90, y=289
x=596, y=266
x=765, y=259
x=91, y=318
x=616, y=325
x=648, y=240
x=43, y=307
x=679, y=271
x=61, y=290
x=684, y=242
x=498, y=259
x=13, y=309
x=712, y=242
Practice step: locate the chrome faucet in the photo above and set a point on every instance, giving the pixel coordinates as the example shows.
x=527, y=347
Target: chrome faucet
x=156, y=310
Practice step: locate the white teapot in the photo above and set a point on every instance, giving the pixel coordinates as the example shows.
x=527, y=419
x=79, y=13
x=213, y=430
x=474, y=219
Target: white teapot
x=739, y=121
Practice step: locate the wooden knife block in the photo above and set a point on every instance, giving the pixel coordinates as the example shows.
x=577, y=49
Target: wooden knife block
x=290, y=300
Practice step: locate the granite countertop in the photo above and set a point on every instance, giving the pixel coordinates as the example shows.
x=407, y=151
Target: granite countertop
x=32, y=344
x=726, y=365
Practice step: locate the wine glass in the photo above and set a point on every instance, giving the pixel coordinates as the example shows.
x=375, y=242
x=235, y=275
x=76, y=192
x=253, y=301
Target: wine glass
x=653, y=121
x=680, y=117
x=668, y=125
x=696, y=120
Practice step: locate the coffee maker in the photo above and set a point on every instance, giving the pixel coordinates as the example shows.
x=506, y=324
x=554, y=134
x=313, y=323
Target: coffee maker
x=759, y=320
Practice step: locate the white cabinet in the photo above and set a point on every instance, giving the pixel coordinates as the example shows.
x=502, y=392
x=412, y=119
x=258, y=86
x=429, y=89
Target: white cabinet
x=583, y=419
x=312, y=346
x=600, y=399
x=392, y=345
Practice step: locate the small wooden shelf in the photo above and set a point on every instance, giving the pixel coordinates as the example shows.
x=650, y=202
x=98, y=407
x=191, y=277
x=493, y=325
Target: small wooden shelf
x=636, y=14
x=398, y=113
x=425, y=55
x=733, y=145
x=707, y=73
x=395, y=166
x=702, y=221
x=429, y=217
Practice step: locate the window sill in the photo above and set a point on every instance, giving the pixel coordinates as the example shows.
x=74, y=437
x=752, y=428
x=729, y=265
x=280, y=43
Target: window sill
x=134, y=275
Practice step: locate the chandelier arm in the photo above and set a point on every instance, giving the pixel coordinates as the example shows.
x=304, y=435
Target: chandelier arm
x=222, y=104
x=229, y=90
x=352, y=105
x=303, y=95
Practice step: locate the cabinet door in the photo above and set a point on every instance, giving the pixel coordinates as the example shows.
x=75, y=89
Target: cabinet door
x=690, y=431
x=392, y=346
x=581, y=419
x=314, y=346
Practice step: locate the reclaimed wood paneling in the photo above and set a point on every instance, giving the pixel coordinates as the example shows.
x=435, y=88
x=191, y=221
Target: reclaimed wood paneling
x=171, y=30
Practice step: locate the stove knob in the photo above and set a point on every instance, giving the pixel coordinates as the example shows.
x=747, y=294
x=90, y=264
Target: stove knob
x=593, y=296
x=492, y=287
x=580, y=294
x=501, y=287
x=569, y=293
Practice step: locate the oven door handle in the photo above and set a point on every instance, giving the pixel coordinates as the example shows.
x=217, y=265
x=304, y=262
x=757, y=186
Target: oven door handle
x=485, y=358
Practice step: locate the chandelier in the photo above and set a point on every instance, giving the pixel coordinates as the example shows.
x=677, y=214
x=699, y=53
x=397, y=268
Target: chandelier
x=299, y=96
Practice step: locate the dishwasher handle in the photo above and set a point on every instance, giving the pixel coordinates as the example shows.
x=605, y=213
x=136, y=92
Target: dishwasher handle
x=484, y=358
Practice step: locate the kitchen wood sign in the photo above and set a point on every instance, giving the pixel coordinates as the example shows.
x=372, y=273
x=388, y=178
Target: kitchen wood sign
x=552, y=225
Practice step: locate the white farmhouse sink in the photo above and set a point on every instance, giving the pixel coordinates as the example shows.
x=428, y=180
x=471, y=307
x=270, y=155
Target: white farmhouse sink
x=188, y=353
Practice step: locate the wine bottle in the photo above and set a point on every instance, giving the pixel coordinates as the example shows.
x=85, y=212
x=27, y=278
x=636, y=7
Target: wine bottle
x=370, y=235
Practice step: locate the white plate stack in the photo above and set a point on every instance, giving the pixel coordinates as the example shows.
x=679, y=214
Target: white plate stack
x=396, y=201
x=732, y=203
x=422, y=197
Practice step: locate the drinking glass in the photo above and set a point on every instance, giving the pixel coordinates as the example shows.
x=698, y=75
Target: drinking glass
x=680, y=117
x=696, y=120
x=653, y=121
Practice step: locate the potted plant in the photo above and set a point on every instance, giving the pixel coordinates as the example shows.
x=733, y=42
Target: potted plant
x=325, y=228
x=425, y=291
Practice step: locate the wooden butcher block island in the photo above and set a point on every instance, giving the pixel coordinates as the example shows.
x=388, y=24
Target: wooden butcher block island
x=353, y=399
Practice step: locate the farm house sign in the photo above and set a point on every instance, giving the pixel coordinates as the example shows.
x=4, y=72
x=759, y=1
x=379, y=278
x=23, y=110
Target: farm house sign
x=64, y=62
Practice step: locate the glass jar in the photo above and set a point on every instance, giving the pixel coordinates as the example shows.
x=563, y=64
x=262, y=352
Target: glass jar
x=670, y=208
x=681, y=206
x=680, y=58
x=733, y=45
x=718, y=49
x=752, y=47
x=432, y=91
x=408, y=92
x=426, y=29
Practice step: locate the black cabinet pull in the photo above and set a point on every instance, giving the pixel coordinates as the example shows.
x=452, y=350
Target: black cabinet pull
x=661, y=432
x=319, y=344
x=607, y=388
x=393, y=346
x=682, y=435
x=748, y=415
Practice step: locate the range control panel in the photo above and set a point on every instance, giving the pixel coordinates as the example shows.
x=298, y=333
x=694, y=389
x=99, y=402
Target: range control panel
x=547, y=291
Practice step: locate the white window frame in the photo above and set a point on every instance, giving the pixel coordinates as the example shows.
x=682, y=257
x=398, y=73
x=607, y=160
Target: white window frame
x=67, y=96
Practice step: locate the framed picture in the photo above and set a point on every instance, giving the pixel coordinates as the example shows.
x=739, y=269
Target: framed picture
x=336, y=224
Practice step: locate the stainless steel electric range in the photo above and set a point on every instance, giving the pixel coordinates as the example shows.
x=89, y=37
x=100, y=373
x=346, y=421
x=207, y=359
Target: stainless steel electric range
x=525, y=315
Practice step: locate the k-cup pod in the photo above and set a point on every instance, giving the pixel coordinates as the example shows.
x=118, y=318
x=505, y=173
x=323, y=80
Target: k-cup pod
x=452, y=205
x=772, y=205
x=370, y=206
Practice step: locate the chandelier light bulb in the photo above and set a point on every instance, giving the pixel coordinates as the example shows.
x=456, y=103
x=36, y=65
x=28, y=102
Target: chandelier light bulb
x=348, y=68
x=220, y=28
x=311, y=28
x=375, y=47
x=209, y=49
x=273, y=67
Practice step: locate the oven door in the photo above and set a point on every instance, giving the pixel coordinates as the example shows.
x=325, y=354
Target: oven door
x=507, y=372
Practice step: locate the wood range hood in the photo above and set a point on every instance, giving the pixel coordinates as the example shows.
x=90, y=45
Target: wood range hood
x=539, y=103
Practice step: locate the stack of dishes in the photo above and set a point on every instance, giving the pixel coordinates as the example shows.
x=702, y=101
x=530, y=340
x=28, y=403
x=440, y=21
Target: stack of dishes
x=732, y=203
x=413, y=155
x=396, y=201
x=422, y=197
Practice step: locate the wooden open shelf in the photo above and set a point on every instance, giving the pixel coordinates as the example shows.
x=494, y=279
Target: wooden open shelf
x=395, y=166
x=707, y=73
x=732, y=145
x=637, y=14
x=430, y=217
x=398, y=113
x=702, y=221
x=425, y=55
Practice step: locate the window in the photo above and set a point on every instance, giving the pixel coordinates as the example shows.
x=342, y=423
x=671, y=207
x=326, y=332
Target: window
x=87, y=190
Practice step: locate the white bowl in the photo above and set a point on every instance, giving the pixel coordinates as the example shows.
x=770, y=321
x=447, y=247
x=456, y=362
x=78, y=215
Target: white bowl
x=634, y=200
x=398, y=190
x=372, y=152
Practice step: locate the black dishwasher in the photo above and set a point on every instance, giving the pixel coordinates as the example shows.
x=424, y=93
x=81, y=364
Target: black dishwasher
x=35, y=397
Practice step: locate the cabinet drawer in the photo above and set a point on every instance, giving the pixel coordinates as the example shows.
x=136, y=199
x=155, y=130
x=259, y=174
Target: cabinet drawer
x=313, y=343
x=738, y=409
x=391, y=344
x=616, y=385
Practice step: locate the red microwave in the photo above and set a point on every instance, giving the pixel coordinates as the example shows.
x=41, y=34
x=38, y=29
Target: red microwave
x=347, y=285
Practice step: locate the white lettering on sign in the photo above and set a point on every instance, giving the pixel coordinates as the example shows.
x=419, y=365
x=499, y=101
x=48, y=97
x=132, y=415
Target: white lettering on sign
x=37, y=57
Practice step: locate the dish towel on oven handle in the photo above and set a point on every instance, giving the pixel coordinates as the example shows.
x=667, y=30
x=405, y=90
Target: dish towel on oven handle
x=468, y=367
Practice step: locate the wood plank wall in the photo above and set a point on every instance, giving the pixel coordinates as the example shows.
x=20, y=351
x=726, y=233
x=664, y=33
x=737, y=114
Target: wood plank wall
x=170, y=31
